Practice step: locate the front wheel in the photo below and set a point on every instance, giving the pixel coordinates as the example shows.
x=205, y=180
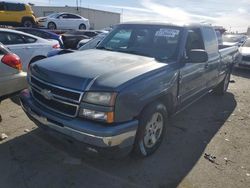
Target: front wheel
x=82, y=27
x=152, y=128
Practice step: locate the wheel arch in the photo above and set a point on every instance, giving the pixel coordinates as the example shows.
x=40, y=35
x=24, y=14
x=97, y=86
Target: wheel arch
x=36, y=58
x=28, y=18
x=167, y=100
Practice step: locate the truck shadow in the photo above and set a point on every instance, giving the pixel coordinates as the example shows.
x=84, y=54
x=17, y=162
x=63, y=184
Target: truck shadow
x=40, y=158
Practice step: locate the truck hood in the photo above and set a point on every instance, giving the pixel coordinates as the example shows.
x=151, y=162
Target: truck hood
x=93, y=69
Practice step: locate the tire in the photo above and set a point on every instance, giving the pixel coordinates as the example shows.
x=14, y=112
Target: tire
x=52, y=26
x=222, y=87
x=27, y=23
x=151, y=130
x=82, y=27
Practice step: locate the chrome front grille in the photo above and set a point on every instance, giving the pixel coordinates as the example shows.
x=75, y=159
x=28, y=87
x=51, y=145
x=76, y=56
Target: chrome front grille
x=61, y=100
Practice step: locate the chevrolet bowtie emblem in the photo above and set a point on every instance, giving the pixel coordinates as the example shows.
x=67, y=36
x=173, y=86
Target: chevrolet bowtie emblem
x=47, y=94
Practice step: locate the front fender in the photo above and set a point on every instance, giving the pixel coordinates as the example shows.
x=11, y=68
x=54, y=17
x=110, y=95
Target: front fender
x=132, y=99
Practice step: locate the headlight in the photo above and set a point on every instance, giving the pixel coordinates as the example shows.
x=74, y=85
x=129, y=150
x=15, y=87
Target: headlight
x=100, y=98
x=104, y=99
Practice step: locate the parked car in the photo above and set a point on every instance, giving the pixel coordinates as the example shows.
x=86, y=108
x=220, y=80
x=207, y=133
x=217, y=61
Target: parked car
x=28, y=47
x=16, y=14
x=12, y=79
x=64, y=20
x=118, y=97
x=90, y=44
x=72, y=38
x=244, y=55
x=233, y=40
x=45, y=34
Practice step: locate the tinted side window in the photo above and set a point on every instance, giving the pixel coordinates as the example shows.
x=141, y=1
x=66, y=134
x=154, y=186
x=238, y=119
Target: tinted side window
x=210, y=40
x=64, y=16
x=2, y=6
x=72, y=16
x=36, y=33
x=28, y=39
x=15, y=7
x=11, y=38
x=194, y=40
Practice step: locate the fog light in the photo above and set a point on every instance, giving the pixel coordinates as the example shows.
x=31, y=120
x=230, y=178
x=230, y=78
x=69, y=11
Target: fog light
x=96, y=115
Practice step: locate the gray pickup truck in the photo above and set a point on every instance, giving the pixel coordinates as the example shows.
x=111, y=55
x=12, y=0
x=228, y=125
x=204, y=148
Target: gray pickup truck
x=118, y=97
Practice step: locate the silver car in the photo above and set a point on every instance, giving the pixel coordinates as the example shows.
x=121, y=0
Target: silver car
x=12, y=78
x=244, y=50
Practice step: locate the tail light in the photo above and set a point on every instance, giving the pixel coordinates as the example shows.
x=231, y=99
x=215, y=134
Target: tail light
x=13, y=61
x=56, y=46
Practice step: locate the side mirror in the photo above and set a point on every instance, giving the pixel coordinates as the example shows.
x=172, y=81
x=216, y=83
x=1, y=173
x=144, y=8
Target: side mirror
x=198, y=56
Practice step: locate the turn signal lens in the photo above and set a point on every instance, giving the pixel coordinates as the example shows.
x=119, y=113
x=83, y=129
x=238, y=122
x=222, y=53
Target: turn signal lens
x=96, y=115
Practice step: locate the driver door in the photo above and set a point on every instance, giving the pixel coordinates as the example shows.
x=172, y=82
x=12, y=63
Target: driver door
x=191, y=74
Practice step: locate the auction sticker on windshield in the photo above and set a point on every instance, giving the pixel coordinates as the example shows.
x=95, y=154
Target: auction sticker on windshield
x=163, y=32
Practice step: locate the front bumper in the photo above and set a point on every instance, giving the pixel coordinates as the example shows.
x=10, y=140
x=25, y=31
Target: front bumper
x=95, y=134
x=42, y=24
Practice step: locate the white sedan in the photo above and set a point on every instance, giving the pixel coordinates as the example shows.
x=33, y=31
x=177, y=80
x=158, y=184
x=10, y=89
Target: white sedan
x=64, y=21
x=244, y=55
x=28, y=47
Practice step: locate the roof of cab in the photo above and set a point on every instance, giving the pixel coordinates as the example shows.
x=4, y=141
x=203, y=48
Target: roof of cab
x=166, y=24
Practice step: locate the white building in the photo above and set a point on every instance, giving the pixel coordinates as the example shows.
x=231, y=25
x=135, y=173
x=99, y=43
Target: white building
x=98, y=19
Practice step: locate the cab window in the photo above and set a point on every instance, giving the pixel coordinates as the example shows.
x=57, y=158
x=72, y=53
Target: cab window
x=194, y=40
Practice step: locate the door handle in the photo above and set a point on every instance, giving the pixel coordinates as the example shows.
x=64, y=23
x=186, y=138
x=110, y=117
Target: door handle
x=28, y=47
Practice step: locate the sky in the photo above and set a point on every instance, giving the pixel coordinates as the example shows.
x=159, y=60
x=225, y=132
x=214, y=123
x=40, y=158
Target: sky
x=234, y=15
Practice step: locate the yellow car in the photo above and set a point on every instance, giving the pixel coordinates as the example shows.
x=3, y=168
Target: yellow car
x=16, y=14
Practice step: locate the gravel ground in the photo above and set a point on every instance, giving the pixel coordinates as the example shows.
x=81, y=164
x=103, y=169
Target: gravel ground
x=217, y=126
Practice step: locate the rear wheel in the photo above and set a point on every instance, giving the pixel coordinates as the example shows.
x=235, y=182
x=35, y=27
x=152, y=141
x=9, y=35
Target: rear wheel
x=221, y=89
x=82, y=27
x=51, y=25
x=27, y=23
x=152, y=128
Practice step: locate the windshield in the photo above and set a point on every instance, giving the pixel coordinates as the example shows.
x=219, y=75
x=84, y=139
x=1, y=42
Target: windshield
x=92, y=43
x=54, y=15
x=160, y=42
x=247, y=43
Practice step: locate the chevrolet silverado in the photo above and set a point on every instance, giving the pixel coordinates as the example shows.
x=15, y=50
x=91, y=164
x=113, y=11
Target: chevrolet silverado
x=119, y=96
